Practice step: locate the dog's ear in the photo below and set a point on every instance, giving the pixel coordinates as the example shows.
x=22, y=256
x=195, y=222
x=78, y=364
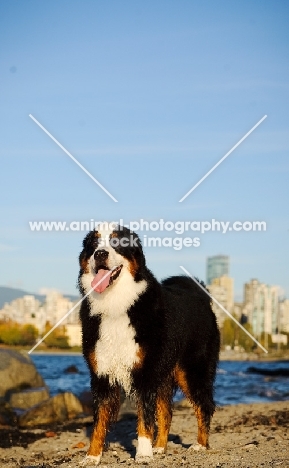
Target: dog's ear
x=88, y=239
x=88, y=249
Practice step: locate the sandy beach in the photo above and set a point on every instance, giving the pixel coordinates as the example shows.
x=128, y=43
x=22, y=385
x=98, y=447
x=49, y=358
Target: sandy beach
x=253, y=435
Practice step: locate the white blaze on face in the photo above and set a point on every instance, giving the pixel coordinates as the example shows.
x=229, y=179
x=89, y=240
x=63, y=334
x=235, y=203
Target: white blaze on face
x=114, y=259
x=104, y=237
x=102, y=276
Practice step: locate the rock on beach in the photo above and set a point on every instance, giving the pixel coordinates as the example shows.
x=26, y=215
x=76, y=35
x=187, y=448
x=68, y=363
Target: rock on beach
x=24, y=397
x=17, y=372
x=60, y=408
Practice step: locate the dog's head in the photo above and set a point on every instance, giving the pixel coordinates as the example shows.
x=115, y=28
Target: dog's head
x=109, y=253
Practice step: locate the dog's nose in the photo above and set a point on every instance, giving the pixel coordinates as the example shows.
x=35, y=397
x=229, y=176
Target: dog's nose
x=100, y=255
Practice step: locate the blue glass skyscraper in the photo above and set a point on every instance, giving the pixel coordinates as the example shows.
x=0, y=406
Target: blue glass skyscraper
x=217, y=266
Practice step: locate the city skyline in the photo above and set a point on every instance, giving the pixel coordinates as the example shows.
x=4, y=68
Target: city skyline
x=262, y=307
x=210, y=268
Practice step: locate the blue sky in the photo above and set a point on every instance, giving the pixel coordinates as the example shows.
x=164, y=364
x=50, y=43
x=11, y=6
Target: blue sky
x=148, y=96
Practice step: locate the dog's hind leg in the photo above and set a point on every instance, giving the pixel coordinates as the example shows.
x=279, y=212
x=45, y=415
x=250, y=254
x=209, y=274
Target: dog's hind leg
x=106, y=401
x=197, y=386
x=204, y=420
x=164, y=418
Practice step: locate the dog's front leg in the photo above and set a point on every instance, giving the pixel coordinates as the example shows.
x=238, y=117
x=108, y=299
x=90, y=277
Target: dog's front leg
x=106, y=401
x=145, y=428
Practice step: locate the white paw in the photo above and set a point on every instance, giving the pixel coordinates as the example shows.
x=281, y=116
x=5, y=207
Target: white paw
x=91, y=460
x=143, y=459
x=144, y=452
x=197, y=447
x=158, y=450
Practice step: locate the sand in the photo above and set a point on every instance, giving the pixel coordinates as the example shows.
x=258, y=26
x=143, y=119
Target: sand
x=253, y=435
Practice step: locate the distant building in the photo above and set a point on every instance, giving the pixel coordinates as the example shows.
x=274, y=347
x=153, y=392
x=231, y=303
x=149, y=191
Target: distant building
x=238, y=312
x=261, y=307
x=74, y=334
x=222, y=289
x=217, y=266
x=56, y=306
x=28, y=309
x=228, y=284
x=284, y=315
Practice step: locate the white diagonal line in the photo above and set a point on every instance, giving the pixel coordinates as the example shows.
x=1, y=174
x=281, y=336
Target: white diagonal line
x=69, y=312
x=222, y=159
x=223, y=308
x=73, y=158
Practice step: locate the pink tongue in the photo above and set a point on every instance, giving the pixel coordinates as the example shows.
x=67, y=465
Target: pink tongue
x=103, y=283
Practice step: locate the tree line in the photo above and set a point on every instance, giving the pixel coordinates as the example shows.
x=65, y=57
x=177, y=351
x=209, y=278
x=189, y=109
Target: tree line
x=15, y=334
x=232, y=335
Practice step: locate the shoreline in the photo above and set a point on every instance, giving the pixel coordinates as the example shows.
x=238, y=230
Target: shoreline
x=223, y=356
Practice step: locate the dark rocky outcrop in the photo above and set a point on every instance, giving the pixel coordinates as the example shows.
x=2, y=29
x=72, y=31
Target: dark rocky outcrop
x=8, y=417
x=281, y=372
x=87, y=401
x=71, y=370
x=27, y=398
x=59, y=408
x=17, y=372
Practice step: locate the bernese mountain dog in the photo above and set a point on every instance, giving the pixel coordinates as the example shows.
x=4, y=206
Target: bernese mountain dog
x=147, y=337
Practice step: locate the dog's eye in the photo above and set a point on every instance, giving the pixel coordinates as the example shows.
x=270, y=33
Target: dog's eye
x=91, y=246
x=113, y=240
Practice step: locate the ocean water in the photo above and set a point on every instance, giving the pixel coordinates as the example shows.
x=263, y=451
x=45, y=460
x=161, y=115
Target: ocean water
x=234, y=383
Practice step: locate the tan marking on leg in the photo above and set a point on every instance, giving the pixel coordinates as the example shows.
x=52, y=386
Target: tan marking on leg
x=141, y=429
x=108, y=412
x=164, y=418
x=181, y=379
x=99, y=432
x=203, y=436
x=144, y=451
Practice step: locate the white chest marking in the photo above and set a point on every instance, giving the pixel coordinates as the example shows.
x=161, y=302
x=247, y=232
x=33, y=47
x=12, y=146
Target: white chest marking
x=116, y=350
